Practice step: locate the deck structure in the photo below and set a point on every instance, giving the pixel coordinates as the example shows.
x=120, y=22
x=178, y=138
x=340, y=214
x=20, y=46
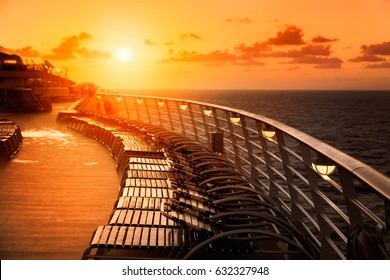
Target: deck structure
x=180, y=200
x=281, y=174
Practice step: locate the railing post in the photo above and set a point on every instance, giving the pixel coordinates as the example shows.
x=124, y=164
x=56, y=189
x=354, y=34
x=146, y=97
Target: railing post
x=169, y=115
x=147, y=109
x=127, y=109
x=183, y=128
x=158, y=112
x=273, y=190
x=136, y=108
x=237, y=159
x=296, y=218
x=217, y=142
x=193, y=122
x=327, y=251
x=254, y=173
x=206, y=126
x=349, y=193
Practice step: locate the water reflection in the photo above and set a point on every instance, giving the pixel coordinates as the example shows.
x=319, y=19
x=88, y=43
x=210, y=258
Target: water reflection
x=48, y=133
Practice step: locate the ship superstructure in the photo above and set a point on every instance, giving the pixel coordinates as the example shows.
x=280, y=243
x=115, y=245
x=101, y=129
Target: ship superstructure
x=30, y=87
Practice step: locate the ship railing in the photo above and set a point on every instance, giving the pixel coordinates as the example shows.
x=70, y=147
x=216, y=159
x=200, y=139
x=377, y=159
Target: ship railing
x=324, y=192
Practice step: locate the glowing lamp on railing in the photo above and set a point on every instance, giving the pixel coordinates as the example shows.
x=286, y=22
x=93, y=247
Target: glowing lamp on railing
x=119, y=99
x=98, y=96
x=184, y=106
x=323, y=165
x=208, y=112
x=139, y=101
x=235, y=119
x=268, y=131
x=160, y=103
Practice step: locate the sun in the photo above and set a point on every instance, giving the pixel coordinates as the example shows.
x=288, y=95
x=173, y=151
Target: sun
x=124, y=54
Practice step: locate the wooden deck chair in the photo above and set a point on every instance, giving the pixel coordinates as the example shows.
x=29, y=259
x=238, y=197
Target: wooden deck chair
x=242, y=239
x=129, y=242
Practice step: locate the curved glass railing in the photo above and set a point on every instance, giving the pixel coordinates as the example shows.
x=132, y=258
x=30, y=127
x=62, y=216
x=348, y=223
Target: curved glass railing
x=325, y=193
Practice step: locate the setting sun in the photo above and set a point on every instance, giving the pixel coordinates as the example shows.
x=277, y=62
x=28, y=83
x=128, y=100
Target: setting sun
x=124, y=54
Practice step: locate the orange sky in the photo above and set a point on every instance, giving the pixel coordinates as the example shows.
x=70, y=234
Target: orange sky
x=206, y=44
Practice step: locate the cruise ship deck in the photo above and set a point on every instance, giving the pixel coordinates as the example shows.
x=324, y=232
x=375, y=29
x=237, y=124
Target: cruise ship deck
x=195, y=181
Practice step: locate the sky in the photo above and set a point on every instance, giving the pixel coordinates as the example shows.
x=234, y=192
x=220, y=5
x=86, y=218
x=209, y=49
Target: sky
x=205, y=44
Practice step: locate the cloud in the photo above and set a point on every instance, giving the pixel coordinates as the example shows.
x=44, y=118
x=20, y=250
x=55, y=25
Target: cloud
x=68, y=47
x=84, y=52
x=285, y=42
x=373, y=53
x=256, y=50
x=315, y=60
x=149, y=42
x=330, y=65
x=185, y=36
x=27, y=52
x=312, y=50
x=241, y=20
x=321, y=39
x=215, y=56
x=292, y=35
x=73, y=46
x=377, y=49
x=320, y=62
x=367, y=58
x=249, y=62
x=23, y=52
x=379, y=65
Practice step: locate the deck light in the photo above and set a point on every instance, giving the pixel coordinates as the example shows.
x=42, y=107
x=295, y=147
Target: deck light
x=184, y=106
x=160, y=103
x=323, y=165
x=119, y=99
x=208, y=112
x=98, y=96
x=139, y=100
x=268, y=131
x=235, y=119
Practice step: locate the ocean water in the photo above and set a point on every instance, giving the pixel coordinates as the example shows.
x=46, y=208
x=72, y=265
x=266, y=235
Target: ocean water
x=355, y=122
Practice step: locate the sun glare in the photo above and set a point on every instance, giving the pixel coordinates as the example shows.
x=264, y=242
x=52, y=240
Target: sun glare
x=124, y=54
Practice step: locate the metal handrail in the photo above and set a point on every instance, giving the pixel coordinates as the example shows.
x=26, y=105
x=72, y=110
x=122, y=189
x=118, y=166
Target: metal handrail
x=325, y=208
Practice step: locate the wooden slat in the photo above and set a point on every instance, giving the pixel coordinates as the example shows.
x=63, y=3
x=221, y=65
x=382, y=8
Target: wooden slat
x=129, y=236
x=137, y=236
x=136, y=217
x=153, y=237
x=145, y=237
x=129, y=216
x=150, y=218
x=139, y=203
x=97, y=235
x=114, y=217
x=105, y=234
x=121, y=236
x=143, y=217
x=112, y=237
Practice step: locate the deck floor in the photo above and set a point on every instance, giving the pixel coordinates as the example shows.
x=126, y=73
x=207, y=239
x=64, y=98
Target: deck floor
x=55, y=192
